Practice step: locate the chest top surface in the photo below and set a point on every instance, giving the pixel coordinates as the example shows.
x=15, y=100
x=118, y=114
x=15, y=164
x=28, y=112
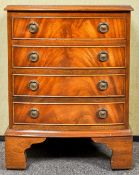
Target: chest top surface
x=94, y=8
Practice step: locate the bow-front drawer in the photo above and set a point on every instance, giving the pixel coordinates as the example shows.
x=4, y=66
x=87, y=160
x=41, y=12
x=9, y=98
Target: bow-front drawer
x=68, y=57
x=69, y=27
x=96, y=85
x=69, y=113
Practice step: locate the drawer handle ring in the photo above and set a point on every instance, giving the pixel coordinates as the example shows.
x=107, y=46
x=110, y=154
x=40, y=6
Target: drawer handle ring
x=34, y=113
x=33, y=27
x=103, y=56
x=103, y=27
x=33, y=85
x=102, y=113
x=102, y=85
x=33, y=56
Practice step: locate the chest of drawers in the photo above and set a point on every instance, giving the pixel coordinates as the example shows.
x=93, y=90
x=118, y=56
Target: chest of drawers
x=69, y=77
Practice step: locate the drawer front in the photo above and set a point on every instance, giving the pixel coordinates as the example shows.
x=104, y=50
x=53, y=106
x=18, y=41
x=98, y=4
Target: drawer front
x=109, y=85
x=69, y=113
x=69, y=57
x=69, y=27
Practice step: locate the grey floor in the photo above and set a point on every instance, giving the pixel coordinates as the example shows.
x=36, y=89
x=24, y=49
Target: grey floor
x=69, y=157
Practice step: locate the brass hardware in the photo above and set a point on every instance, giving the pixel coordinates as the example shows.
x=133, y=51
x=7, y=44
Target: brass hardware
x=103, y=56
x=102, y=113
x=103, y=27
x=33, y=27
x=34, y=113
x=102, y=85
x=33, y=56
x=33, y=85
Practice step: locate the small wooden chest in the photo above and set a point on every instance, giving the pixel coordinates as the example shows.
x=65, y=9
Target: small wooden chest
x=69, y=77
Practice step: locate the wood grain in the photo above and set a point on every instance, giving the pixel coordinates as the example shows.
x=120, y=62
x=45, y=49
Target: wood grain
x=10, y=87
x=70, y=85
x=121, y=151
x=63, y=28
x=15, y=148
x=69, y=128
x=121, y=146
x=69, y=134
x=68, y=71
x=56, y=8
x=68, y=57
x=68, y=42
x=68, y=113
x=67, y=99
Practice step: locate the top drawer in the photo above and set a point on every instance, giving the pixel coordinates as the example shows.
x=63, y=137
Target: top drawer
x=69, y=27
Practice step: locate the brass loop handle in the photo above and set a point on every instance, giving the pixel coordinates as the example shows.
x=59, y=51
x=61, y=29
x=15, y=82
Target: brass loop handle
x=103, y=56
x=33, y=56
x=102, y=113
x=102, y=85
x=103, y=27
x=33, y=85
x=33, y=27
x=34, y=113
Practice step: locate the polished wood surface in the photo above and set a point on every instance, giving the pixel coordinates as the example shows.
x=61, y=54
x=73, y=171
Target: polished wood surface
x=66, y=100
x=68, y=42
x=69, y=113
x=121, y=146
x=15, y=148
x=69, y=134
x=68, y=72
x=121, y=151
x=63, y=28
x=70, y=85
x=69, y=127
x=69, y=57
x=55, y=8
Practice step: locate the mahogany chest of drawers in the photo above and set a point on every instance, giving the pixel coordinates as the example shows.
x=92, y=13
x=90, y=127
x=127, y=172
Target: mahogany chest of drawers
x=69, y=77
